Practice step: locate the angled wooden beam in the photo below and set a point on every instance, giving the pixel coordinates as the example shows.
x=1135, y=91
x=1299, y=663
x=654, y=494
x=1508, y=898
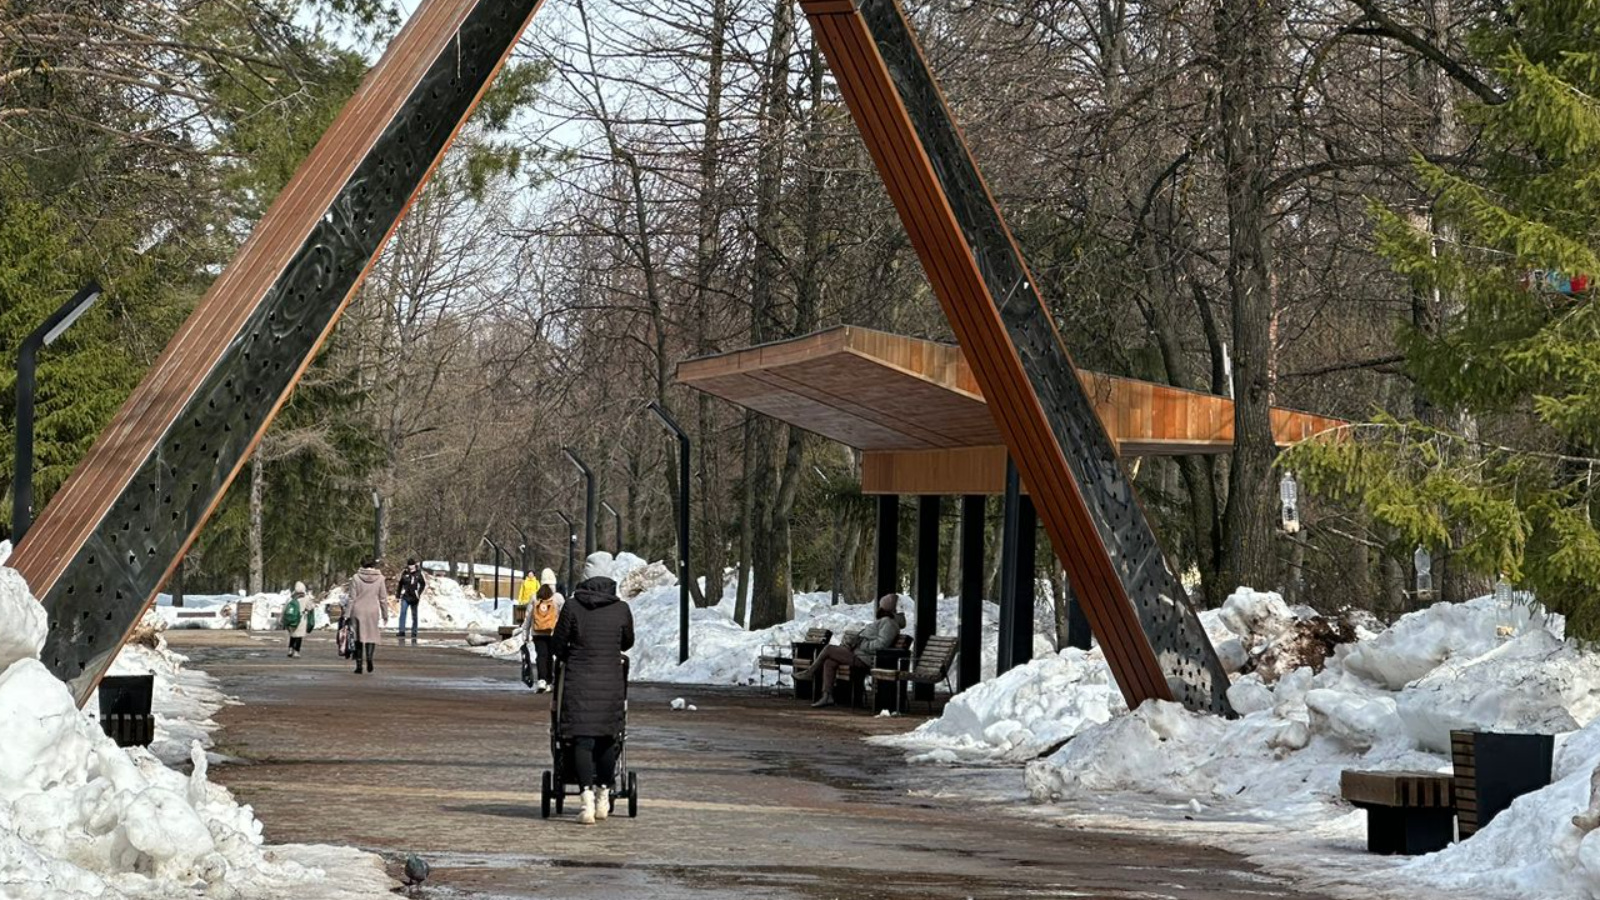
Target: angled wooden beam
x=1152, y=639
x=100, y=550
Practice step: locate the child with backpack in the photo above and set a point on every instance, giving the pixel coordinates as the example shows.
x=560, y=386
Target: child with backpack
x=299, y=617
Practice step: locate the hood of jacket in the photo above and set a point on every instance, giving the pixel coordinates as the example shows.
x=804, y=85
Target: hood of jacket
x=594, y=593
x=369, y=575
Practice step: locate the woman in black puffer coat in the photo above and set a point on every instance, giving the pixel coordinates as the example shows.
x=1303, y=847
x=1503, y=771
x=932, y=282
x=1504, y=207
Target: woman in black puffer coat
x=594, y=629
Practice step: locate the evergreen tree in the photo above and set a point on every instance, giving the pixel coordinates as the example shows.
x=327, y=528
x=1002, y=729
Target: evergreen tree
x=1506, y=485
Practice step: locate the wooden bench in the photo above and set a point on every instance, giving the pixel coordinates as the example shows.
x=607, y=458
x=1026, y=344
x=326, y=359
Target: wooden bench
x=506, y=632
x=772, y=657
x=931, y=667
x=848, y=690
x=1407, y=812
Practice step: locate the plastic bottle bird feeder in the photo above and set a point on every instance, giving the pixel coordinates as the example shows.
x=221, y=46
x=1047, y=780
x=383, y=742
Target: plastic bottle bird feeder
x=1422, y=561
x=1289, y=495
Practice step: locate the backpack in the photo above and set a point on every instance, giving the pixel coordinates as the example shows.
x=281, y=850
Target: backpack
x=291, y=614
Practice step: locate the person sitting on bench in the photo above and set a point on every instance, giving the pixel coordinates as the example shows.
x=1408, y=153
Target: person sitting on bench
x=857, y=650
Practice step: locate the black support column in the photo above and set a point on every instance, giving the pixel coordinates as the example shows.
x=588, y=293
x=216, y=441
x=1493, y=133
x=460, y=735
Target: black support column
x=927, y=579
x=888, y=545
x=1016, y=576
x=1078, y=634
x=969, y=670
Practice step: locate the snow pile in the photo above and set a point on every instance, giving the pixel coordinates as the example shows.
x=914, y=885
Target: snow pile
x=1389, y=701
x=5, y=551
x=445, y=606
x=1386, y=700
x=1025, y=712
x=80, y=817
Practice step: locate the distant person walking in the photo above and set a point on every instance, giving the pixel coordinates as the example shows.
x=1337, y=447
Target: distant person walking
x=299, y=617
x=538, y=628
x=410, y=588
x=591, y=633
x=368, y=608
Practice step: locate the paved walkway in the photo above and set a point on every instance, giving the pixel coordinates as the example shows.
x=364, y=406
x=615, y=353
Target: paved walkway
x=439, y=753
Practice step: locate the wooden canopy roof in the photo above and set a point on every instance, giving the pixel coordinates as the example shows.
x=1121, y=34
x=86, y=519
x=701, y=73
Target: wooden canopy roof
x=914, y=408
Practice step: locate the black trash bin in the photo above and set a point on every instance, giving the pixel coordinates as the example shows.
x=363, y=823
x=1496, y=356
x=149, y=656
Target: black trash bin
x=1491, y=770
x=125, y=715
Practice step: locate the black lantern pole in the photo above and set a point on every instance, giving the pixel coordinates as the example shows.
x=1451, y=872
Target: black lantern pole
x=588, y=501
x=27, y=360
x=616, y=519
x=572, y=544
x=666, y=419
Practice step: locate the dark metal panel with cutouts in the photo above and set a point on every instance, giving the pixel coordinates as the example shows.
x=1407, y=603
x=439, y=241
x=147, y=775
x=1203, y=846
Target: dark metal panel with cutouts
x=112, y=576
x=1174, y=632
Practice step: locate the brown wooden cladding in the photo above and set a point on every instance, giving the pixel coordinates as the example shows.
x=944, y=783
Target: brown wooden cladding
x=918, y=195
x=885, y=392
x=451, y=48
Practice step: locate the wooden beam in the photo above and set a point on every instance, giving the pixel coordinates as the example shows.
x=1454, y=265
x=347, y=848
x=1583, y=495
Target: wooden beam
x=1152, y=639
x=109, y=538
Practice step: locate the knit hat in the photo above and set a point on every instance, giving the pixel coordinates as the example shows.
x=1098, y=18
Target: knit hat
x=299, y=587
x=889, y=602
x=547, y=577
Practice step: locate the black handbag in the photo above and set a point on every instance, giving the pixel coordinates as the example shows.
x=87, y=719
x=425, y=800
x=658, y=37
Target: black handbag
x=527, y=666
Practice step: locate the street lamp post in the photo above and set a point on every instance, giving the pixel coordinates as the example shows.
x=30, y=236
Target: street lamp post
x=27, y=359
x=588, y=501
x=523, y=547
x=377, y=527
x=666, y=419
x=572, y=544
x=616, y=519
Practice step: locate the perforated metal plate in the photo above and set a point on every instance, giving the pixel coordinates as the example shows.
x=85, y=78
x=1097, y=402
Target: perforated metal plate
x=1184, y=653
x=107, y=584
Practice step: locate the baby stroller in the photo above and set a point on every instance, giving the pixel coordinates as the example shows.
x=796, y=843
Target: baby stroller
x=557, y=784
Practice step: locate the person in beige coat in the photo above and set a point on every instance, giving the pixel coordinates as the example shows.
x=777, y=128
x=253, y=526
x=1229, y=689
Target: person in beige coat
x=368, y=608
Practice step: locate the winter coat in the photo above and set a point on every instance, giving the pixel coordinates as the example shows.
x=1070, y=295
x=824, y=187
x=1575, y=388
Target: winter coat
x=880, y=635
x=367, y=604
x=529, y=589
x=592, y=632
x=411, y=585
x=299, y=629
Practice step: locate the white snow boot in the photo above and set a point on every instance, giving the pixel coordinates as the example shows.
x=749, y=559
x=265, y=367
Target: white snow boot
x=602, y=805
x=586, y=815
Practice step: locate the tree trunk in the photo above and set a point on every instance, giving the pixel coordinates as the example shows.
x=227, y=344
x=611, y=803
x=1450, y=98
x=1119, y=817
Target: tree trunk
x=769, y=600
x=1244, y=35
x=257, y=538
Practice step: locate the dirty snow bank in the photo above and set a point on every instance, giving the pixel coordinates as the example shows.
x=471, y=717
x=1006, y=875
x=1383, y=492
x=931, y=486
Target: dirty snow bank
x=1267, y=783
x=80, y=817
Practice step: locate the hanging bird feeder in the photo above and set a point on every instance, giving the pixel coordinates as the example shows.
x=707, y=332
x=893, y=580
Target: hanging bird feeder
x=1289, y=494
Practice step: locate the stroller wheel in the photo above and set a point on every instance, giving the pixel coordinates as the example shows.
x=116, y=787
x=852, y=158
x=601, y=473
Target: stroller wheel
x=633, y=795
x=544, y=796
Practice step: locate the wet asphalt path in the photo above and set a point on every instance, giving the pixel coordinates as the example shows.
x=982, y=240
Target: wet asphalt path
x=439, y=753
